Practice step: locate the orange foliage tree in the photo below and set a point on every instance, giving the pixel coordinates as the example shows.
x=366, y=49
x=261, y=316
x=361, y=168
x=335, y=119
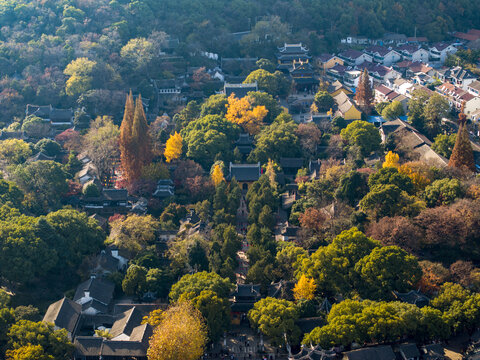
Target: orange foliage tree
x=243, y=113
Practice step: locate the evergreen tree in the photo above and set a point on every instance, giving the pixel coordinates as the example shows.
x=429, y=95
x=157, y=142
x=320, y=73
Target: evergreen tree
x=364, y=95
x=125, y=142
x=462, y=154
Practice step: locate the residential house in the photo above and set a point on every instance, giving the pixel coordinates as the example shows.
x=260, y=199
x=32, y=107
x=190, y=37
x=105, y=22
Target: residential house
x=411, y=143
x=408, y=351
x=290, y=53
x=401, y=86
x=354, y=57
x=95, y=296
x=335, y=87
x=125, y=323
x=239, y=90
x=381, y=93
x=380, y=74
x=383, y=55
x=360, y=40
x=394, y=38
x=471, y=35
x=474, y=88
x=242, y=300
x=457, y=97
x=64, y=314
x=302, y=74
x=244, y=174
x=327, y=61
x=472, y=106
x=105, y=263
x=336, y=73
x=170, y=90
x=347, y=108
x=413, y=53
x=439, y=51
x=287, y=232
x=88, y=173
x=384, y=352
x=458, y=76
x=351, y=78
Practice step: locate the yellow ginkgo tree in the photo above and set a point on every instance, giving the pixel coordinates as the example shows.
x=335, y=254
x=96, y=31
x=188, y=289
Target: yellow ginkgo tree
x=305, y=289
x=173, y=147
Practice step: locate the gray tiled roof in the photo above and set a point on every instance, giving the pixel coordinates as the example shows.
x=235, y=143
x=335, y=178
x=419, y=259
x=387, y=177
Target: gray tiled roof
x=245, y=172
x=63, y=313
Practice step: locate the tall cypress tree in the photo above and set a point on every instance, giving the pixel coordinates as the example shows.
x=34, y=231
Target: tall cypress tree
x=140, y=139
x=462, y=154
x=125, y=141
x=364, y=94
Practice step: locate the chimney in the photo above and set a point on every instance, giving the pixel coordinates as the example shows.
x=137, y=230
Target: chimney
x=87, y=293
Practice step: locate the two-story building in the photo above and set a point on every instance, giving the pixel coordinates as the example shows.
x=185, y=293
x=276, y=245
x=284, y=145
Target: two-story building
x=354, y=57
x=383, y=55
x=413, y=53
x=438, y=52
x=327, y=61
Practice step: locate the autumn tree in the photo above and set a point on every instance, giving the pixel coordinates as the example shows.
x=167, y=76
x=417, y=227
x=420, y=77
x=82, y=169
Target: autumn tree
x=217, y=175
x=181, y=334
x=304, y=289
x=313, y=219
x=101, y=144
x=173, y=147
x=391, y=160
x=462, y=153
x=125, y=139
x=242, y=112
x=364, y=95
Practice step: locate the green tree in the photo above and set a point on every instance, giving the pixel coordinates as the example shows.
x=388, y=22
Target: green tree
x=215, y=309
x=352, y=187
x=14, y=151
x=77, y=236
x=274, y=84
x=289, y=259
x=214, y=105
x=264, y=99
x=134, y=233
x=197, y=257
x=443, y=192
x=444, y=144
x=391, y=176
x=363, y=135
x=80, y=72
x=393, y=111
x=416, y=108
x=44, y=181
x=386, y=269
x=49, y=147
x=275, y=141
x=135, y=281
x=276, y=319
x=159, y=282
x=196, y=283
x=54, y=342
x=266, y=65
x=388, y=200
x=324, y=101
x=35, y=127
x=332, y=267
x=435, y=110
x=138, y=53
x=10, y=193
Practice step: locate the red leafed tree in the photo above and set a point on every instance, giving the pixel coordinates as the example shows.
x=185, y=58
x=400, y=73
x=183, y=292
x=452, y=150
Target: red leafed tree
x=313, y=219
x=135, y=143
x=364, y=95
x=462, y=154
